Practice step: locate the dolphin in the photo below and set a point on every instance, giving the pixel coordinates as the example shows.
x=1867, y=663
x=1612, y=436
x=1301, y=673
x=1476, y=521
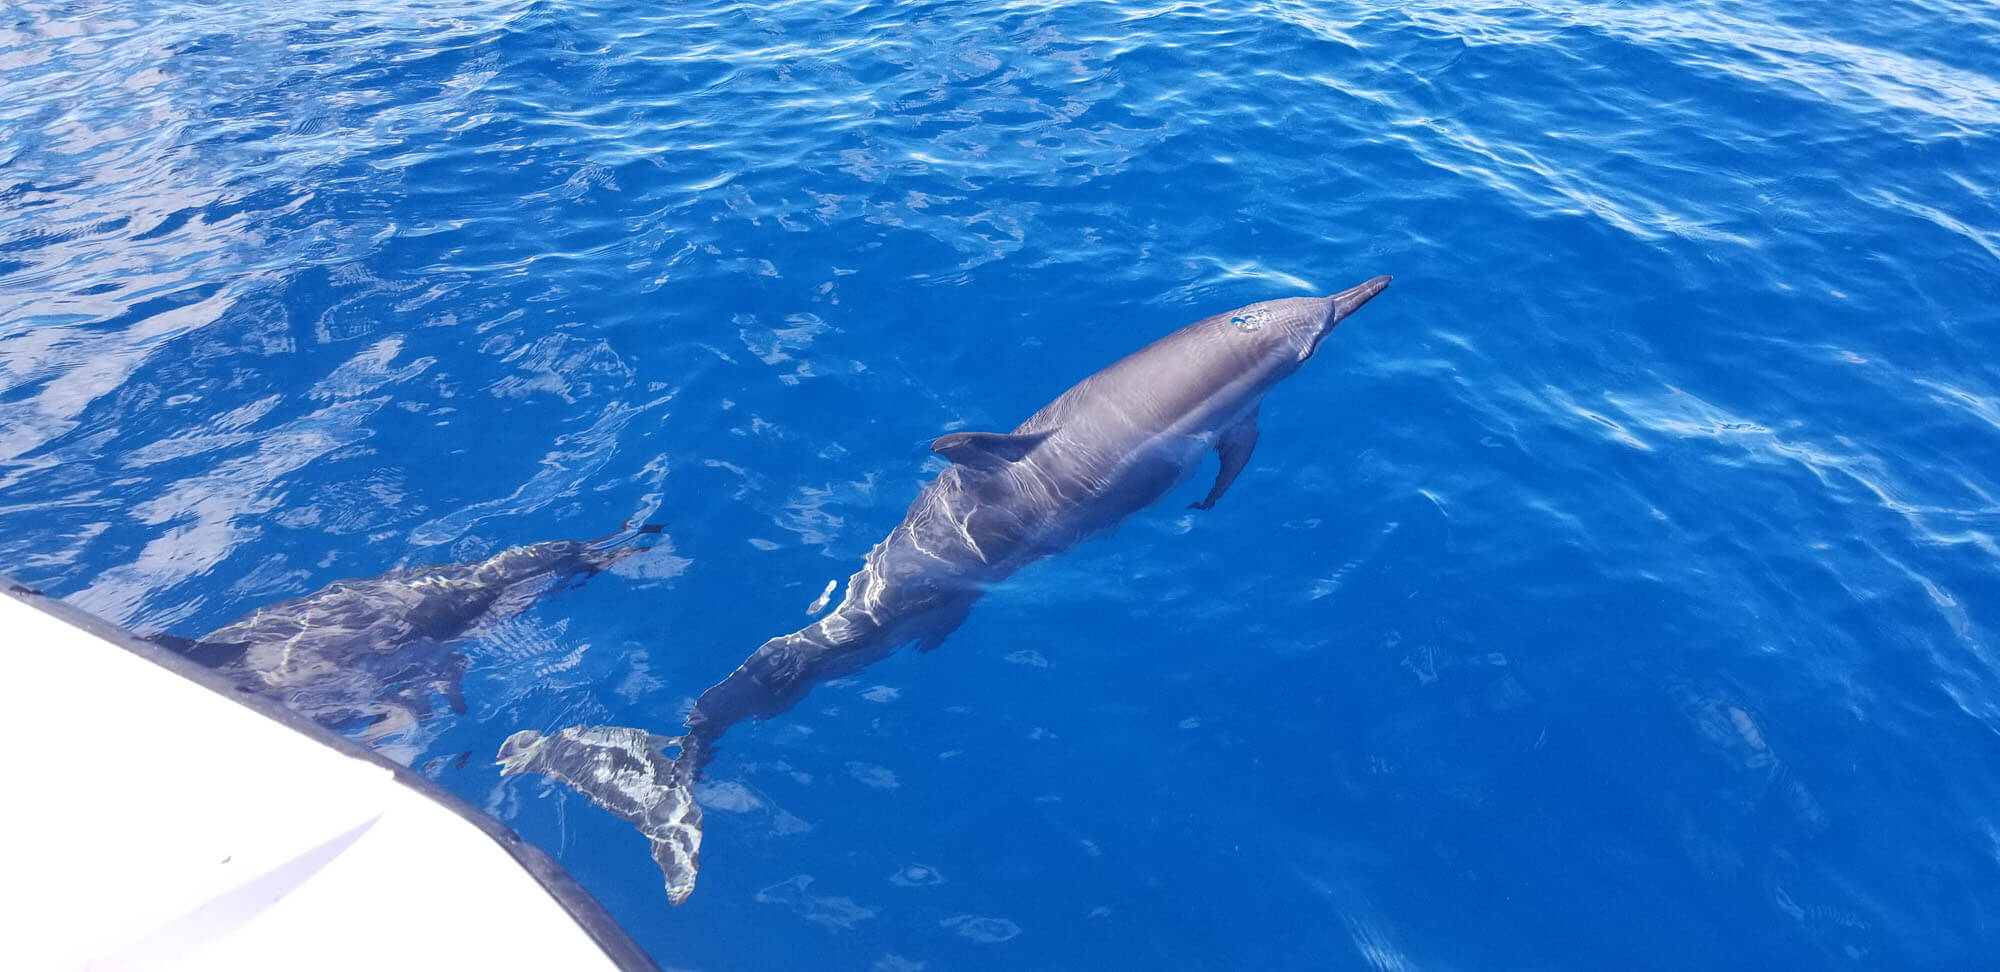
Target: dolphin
x=367, y=654
x=1104, y=449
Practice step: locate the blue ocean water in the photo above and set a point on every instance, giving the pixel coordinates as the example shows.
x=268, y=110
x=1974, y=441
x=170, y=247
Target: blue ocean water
x=1616, y=591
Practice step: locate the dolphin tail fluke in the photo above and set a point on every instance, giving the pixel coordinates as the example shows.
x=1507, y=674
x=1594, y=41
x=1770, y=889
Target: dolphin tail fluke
x=627, y=772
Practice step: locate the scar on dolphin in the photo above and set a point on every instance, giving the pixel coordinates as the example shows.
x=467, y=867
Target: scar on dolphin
x=1107, y=447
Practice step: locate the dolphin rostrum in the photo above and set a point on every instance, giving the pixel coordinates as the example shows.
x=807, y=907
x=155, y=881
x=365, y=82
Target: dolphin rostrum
x=1112, y=444
x=368, y=654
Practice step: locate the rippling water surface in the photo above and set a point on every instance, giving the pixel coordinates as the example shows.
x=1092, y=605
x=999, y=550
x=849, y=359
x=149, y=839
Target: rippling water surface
x=1617, y=591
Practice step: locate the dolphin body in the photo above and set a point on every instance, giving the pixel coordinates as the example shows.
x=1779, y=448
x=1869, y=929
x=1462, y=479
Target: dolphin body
x=1102, y=450
x=369, y=653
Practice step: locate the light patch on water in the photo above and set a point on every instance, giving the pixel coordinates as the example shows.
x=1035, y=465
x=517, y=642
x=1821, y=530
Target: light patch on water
x=806, y=513
x=87, y=366
x=1761, y=51
x=656, y=562
x=1985, y=408
x=1028, y=657
x=1213, y=273
x=985, y=931
x=1984, y=239
x=869, y=774
x=727, y=796
x=917, y=876
x=1329, y=584
x=1614, y=431
x=776, y=346
x=1367, y=929
x=639, y=681
x=565, y=470
x=833, y=912
x=369, y=370
x=227, y=430
x=739, y=797
x=1841, y=467
x=213, y=506
x=819, y=603
x=569, y=367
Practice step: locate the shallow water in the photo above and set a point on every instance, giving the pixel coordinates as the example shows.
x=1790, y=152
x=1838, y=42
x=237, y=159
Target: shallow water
x=1617, y=591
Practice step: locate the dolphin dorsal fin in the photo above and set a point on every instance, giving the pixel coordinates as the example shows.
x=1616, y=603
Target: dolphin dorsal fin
x=986, y=450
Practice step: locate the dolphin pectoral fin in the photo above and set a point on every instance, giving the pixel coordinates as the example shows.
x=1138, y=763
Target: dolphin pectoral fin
x=1234, y=448
x=987, y=450
x=625, y=772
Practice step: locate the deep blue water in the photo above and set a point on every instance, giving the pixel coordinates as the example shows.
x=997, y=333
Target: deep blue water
x=1617, y=591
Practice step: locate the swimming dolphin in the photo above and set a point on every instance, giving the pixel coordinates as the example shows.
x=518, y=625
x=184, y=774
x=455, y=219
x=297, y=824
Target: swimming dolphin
x=368, y=654
x=1109, y=446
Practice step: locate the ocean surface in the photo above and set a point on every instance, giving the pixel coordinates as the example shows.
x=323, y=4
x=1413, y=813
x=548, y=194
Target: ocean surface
x=1617, y=591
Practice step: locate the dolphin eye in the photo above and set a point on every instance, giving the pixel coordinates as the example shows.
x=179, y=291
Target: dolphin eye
x=1250, y=320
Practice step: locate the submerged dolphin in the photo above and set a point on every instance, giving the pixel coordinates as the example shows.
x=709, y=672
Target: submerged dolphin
x=1109, y=446
x=368, y=654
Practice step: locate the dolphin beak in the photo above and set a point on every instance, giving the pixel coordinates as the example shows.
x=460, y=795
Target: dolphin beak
x=1350, y=300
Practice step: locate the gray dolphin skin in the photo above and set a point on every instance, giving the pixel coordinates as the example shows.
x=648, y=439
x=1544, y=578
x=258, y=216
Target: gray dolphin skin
x=368, y=654
x=1109, y=446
